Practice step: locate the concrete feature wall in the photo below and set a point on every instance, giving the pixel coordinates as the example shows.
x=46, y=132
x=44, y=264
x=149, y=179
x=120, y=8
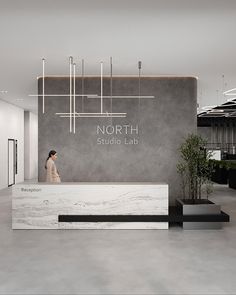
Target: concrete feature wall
x=145, y=150
x=11, y=127
x=31, y=145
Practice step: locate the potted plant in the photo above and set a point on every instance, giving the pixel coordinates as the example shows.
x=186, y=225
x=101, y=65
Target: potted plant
x=195, y=169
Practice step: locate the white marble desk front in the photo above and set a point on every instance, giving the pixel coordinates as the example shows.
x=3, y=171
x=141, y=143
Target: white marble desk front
x=37, y=205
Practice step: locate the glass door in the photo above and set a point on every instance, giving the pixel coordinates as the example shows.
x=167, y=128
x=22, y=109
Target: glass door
x=11, y=162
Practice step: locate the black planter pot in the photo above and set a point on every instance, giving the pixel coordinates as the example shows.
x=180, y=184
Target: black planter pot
x=220, y=175
x=199, y=207
x=232, y=178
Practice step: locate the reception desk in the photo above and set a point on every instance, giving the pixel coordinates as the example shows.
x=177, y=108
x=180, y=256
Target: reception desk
x=40, y=205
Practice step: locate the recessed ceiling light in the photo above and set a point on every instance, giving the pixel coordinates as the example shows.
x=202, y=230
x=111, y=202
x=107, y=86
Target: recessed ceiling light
x=20, y=99
x=3, y=91
x=215, y=111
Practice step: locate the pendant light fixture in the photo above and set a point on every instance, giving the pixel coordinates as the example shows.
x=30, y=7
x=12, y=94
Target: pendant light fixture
x=139, y=79
x=111, y=86
x=70, y=65
x=82, y=86
x=44, y=95
x=100, y=114
x=101, y=64
x=74, y=97
x=73, y=114
x=43, y=86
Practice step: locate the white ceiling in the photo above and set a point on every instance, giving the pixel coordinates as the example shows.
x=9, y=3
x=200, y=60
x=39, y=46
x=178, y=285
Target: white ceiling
x=177, y=37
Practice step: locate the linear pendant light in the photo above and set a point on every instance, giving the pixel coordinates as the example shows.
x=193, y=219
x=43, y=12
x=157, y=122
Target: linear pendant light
x=74, y=96
x=43, y=85
x=101, y=87
x=82, y=85
x=109, y=115
x=72, y=114
x=139, y=79
x=93, y=115
x=100, y=114
x=64, y=95
x=122, y=96
x=139, y=87
x=111, y=85
x=70, y=65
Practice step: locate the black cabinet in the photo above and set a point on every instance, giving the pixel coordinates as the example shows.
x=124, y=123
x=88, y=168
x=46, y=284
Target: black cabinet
x=232, y=178
x=220, y=175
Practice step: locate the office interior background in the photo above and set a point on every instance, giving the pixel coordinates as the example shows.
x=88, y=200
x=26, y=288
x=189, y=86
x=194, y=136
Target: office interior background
x=173, y=38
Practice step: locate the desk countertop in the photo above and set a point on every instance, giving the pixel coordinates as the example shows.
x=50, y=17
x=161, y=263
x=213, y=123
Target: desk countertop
x=90, y=183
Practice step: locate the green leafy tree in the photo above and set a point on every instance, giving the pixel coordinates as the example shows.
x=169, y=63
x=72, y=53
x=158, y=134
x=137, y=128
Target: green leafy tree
x=194, y=167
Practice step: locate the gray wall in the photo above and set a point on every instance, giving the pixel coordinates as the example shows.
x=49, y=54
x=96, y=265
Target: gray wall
x=30, y=145
x=11, y=126
x=163, y=123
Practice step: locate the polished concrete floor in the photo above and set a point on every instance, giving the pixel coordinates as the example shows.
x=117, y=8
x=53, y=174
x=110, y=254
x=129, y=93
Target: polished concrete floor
x=119, y=261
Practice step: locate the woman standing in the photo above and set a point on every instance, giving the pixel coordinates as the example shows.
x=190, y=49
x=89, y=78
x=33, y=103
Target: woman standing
x=50, y=166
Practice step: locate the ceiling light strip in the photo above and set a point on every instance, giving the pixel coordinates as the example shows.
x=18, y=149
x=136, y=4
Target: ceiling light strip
x=216, y=111
x=228, y=91
x=227, y=110
x=209, y=107
x=211, y=116
x=231, y=99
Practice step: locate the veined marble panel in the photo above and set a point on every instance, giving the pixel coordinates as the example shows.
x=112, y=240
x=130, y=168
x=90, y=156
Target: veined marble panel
x=37, y=206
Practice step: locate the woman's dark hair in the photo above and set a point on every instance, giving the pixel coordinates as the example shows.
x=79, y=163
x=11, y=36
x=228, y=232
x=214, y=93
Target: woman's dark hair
x=51, y=153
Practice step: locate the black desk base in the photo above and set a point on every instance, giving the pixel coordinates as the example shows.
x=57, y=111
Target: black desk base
x=173, y=217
